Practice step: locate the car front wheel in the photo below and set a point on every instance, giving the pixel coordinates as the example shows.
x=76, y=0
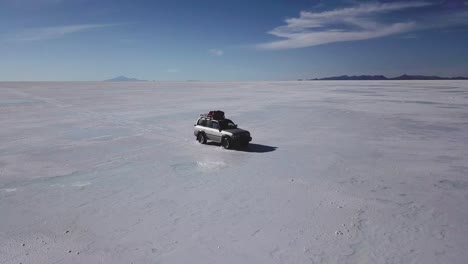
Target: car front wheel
x=227, y=143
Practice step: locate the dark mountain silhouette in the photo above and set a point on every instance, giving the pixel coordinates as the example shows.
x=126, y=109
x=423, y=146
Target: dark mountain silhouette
x=122, y=78
x=422, y=77
x=383, y=78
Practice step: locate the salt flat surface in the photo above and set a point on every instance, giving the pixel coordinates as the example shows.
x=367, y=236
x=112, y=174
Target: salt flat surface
x=338, y=172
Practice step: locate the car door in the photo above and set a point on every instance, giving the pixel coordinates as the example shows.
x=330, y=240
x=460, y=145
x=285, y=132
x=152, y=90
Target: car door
x=199, y=126
x=212, y=131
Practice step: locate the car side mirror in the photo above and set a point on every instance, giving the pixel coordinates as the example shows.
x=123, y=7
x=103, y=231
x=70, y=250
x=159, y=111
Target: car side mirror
x=220, y=129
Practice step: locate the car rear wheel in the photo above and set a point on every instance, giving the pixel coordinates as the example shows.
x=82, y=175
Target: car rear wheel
x=201, y=138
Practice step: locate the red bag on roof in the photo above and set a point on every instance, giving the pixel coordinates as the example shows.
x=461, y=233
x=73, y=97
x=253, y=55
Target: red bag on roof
x=216, y=114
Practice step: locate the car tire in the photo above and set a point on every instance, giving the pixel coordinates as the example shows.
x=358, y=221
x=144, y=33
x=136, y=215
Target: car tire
x=226, y=143
x=201, y=138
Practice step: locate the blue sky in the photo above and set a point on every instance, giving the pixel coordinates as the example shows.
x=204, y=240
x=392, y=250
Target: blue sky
x=230, y=40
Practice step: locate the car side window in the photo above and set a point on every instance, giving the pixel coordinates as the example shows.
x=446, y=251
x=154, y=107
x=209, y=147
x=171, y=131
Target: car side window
x=202, y=122
x=209, y=123
x=215, y=125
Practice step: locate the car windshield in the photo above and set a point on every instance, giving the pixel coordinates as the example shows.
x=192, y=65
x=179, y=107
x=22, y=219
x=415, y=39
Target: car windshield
x=226, y=124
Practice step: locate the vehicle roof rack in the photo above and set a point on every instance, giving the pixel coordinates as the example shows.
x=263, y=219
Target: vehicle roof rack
x=211, y=117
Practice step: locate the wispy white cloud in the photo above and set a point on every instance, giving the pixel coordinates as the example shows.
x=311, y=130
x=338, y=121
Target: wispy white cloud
x=346, y=24
x=43, y=33
x=216, y=52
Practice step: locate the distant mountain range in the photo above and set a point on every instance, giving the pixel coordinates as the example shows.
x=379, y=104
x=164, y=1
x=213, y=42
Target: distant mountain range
x=383, y=78
x=122, y=78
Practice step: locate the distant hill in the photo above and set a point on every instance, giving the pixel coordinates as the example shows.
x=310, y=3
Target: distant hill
x=122, y=78
x=383, y=78
x=422, y=77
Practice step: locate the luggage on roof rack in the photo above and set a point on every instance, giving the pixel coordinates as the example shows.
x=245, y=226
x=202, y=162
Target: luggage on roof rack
x=216, y=115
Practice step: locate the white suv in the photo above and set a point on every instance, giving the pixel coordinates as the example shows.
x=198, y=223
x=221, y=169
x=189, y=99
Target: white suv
x=223, y=131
